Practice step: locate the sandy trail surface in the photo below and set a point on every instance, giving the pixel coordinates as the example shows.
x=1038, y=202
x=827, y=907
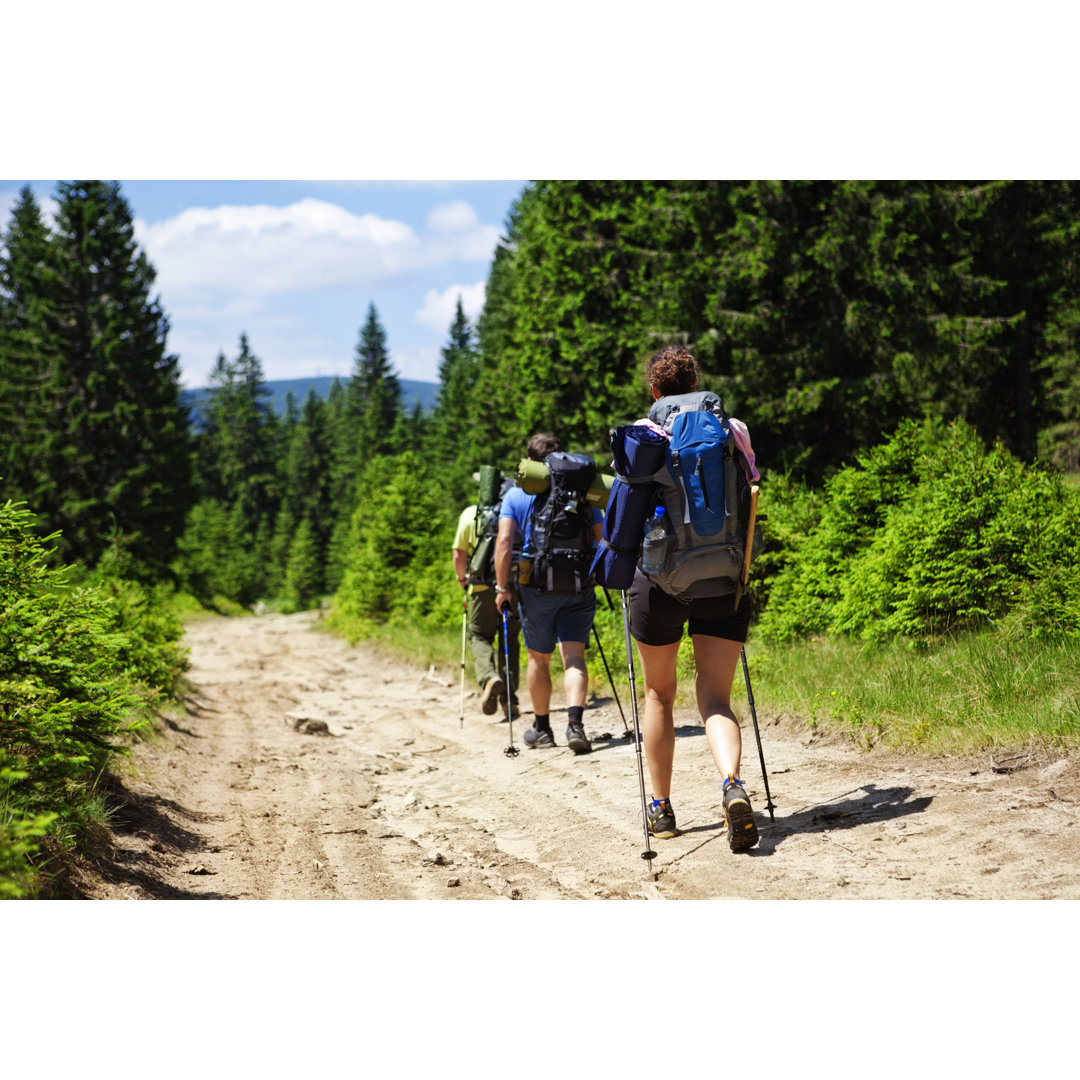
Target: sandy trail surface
x=304, y=768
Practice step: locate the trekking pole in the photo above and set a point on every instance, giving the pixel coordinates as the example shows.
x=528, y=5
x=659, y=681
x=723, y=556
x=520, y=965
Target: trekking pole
x=648, y=854
x=626, y=726
x=757, y=736
x=747, y=555
x=464, y=620
x=511, y=750
x=611, y=607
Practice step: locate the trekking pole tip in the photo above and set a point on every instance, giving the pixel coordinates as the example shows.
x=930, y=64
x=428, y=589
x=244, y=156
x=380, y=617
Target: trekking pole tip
x=511, y=751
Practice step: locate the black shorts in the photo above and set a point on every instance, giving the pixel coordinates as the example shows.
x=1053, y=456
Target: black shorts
x=657, y=617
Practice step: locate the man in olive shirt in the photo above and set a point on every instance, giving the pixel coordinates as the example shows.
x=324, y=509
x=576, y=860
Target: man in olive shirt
x=485, y=622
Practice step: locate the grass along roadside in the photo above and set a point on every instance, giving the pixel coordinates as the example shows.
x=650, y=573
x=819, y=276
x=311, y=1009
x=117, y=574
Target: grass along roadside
x=983, y=689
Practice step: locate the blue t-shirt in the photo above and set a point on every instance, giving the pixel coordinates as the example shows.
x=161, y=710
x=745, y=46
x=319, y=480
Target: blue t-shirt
x=518, y=505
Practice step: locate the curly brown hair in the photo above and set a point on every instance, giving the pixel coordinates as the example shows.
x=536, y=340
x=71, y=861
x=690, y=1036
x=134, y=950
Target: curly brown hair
x=672, y=370
x=542, y=444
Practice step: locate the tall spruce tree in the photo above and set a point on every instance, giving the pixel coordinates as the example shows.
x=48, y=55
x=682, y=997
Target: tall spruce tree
x=1057, y=365
x=342, y=444
x=373, y=392
x=309, y=480
x=450, y=422
x=117, y=438
x=24, y=354
x=239, y=443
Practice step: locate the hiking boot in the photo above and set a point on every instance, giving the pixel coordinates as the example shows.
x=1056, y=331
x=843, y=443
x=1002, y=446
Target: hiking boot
x=576, y=738
x=511, y=712
x=489, y=699
x=662, y=819
x=738, y=816
x=538, y=737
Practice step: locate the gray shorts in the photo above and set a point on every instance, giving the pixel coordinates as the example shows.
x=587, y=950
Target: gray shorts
x=550, y=617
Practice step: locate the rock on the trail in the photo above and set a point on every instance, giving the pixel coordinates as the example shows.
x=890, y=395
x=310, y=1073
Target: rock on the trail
x=1052, y=772
x=307, y=725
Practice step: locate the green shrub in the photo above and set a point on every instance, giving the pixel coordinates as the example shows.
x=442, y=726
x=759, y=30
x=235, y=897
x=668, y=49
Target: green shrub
x=216, y=557
x=82, y=657
x=398, y=560
x=302, y=572
x=932, y=534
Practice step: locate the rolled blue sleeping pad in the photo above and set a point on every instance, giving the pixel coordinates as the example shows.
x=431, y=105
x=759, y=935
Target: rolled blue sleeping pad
x=639, y=453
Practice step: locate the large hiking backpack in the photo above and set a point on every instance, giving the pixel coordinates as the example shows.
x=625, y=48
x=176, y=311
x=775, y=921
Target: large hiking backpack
x=482, y=560
x=706, y=498
x=561, y=530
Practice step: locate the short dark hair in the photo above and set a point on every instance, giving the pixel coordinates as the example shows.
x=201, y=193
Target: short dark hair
x=672, y=370
x=542, y=444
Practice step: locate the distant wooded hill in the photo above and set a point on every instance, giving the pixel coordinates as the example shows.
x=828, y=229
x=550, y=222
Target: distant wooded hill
x=413, y=391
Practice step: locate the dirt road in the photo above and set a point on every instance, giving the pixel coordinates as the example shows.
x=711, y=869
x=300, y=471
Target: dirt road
x=308, y=769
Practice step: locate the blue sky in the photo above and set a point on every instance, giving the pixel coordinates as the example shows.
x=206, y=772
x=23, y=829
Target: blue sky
x=295, y=264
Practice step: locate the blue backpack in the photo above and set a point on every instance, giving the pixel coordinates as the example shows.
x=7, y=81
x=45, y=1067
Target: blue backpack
x=706, y=499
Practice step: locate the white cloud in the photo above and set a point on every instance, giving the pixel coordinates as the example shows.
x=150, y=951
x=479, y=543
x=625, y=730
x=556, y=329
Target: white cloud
x=452, y=217
x=309, y=245
x=440, y=306
x=417, y=362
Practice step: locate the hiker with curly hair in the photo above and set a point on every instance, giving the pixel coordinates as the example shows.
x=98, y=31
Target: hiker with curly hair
x=717, y=623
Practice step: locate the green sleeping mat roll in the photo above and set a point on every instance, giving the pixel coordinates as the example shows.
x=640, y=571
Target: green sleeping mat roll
x=532, y=477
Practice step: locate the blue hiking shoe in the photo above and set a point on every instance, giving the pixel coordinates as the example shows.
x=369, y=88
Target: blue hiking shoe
x=662, y=819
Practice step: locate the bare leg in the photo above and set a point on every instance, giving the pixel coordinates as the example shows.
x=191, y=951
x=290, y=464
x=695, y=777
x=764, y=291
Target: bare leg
x=576, y=676
x=715, y=660
x=658, y=737
x=538, y=677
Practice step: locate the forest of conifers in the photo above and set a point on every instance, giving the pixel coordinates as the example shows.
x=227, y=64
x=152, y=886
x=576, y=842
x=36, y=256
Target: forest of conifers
x=906, y=355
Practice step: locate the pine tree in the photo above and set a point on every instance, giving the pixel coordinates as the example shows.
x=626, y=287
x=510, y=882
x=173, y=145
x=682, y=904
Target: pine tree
x=237, y=448
x=452, y=439
x=342, y=445
x=24, y=356
x=457, y=376
x=117, y=439
x=303, y=573
x=373, y=392
x=309, y=478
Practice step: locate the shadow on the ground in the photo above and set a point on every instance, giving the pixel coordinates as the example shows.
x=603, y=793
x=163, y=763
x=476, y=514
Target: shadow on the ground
x=874, y=804
x=606, y=740
x=148, y=832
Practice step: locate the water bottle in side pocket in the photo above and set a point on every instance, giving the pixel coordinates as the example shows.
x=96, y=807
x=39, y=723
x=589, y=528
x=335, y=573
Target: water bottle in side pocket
x=657, y=541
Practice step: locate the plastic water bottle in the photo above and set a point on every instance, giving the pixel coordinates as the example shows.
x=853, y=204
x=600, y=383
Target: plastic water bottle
x=654, y=550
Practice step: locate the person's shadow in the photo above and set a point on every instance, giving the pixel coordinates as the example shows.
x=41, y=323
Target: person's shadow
x=607, y=739
x=874, y=804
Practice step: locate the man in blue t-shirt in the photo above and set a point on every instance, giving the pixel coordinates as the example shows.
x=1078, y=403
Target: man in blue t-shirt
x=547, y=618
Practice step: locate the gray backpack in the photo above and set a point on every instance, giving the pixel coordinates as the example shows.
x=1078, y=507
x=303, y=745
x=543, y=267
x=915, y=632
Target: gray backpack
x=706, y=498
